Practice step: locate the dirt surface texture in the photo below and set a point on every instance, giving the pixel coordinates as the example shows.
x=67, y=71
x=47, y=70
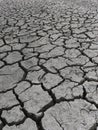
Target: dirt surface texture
x=49, y=65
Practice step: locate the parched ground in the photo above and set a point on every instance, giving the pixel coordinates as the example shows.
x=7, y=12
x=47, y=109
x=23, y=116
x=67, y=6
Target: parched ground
x=49, y=65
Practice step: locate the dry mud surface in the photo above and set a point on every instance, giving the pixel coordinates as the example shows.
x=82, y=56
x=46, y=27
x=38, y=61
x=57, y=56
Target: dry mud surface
x=49, y=65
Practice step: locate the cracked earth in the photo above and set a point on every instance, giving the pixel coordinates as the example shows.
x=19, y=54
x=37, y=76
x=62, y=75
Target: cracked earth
x=49, y=65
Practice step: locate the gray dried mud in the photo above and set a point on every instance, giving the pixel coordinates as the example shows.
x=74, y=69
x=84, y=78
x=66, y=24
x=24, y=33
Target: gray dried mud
x=49, y=65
